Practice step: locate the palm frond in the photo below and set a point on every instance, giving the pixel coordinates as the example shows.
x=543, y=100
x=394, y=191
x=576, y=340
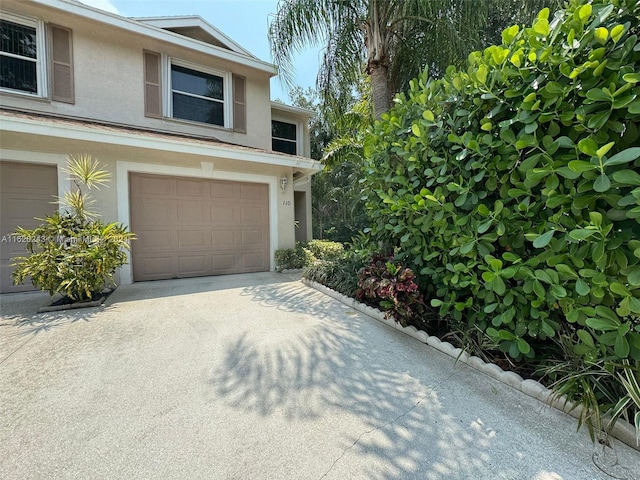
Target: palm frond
x=87, y=170
x=299, y=24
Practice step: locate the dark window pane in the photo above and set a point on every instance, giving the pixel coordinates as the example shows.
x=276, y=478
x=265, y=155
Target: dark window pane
x=198, y=83
x=17, y=39
x=283, y=146
x=283, y=130
x=18, y=74
x=198, y=109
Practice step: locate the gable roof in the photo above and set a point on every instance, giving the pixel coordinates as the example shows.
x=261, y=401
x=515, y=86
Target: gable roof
x=230, y=51
x=197, y=28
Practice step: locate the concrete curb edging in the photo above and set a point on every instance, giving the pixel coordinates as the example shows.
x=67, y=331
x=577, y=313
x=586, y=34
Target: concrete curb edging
x=622, y=430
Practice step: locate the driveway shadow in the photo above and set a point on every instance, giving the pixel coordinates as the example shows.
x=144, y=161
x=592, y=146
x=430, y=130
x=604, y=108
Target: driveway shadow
x=387, y=408
x=187, y=286
x=20, y=322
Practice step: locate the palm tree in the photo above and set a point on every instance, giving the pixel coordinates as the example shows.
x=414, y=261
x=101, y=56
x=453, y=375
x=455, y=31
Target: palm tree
x=393, y=39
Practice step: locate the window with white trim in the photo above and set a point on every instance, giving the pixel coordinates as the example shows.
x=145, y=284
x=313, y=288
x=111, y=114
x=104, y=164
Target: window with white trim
x=22, y=55
x=284, y=137
x=199, y=95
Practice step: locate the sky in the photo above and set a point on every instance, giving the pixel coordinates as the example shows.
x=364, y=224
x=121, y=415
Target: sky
x=245, y=21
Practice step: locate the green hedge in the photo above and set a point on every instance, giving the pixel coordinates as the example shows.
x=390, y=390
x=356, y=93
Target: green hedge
x=513, y=189
x=325, y=249
x=306, y=253
x=512, y=186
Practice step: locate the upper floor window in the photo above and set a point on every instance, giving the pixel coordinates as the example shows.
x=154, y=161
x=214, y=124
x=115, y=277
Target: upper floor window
x=284, y=137
x=21, y=55
x=199, y=95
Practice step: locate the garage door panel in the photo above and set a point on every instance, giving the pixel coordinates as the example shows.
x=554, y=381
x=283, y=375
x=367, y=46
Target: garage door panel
x=252, y=261
x=154, y=239
x=13, y=247
x=252, y=238
x=252, y=215
x=225, y=262
x=152, y=186
x=192, y=238
x=251, y=192
x=40, y=178
x=194, y=265
x=160, y=212
x=223, y=214
x=191, y=188
x=27, y=191
x=192, y=212
x=214, y=230
x=223, y=238
x=223, y=190
x=154, y=267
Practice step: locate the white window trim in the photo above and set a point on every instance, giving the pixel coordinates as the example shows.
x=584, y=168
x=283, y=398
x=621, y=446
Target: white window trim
x=41, y=53
x=299, y=132
x=227, y=101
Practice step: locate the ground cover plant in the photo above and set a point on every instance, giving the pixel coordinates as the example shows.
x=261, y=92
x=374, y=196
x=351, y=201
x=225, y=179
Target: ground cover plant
x=512, y=189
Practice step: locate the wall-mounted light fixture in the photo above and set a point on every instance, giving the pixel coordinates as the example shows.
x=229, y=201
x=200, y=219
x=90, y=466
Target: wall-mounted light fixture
x=284, y=181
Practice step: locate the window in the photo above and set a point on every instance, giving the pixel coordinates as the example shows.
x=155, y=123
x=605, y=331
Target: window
x=21, y=52
x=284, y=137
x=199, y=96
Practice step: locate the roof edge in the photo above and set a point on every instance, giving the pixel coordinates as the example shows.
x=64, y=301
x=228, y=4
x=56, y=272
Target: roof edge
x=291, y=109
x=20, y=121
x=194, y=21
x=128, y=24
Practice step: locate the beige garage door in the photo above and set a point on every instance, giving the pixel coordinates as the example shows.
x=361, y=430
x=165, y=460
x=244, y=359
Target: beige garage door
x=192, y=227
x=26, y=191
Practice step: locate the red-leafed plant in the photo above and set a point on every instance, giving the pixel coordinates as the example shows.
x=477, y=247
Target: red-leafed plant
x=391, y=286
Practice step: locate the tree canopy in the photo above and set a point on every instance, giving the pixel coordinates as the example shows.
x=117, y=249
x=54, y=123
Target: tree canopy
x=390, y=40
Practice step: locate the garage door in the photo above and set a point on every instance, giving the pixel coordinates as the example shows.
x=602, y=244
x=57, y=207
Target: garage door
x=26, y=191
x=193, y=227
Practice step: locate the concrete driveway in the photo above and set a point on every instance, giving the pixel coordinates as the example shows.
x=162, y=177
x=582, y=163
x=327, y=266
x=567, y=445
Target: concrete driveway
x=259, y=377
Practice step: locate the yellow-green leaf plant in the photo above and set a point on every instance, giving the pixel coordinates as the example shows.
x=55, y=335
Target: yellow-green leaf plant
x=73, y=252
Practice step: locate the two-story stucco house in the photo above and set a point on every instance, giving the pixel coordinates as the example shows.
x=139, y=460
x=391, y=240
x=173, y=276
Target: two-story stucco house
x=210, y=174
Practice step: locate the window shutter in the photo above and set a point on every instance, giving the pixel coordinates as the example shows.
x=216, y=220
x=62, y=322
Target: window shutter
x=61, y=64
x=239, y=104
x=152, y=90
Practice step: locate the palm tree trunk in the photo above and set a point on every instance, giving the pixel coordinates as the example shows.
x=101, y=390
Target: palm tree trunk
x=380, y=89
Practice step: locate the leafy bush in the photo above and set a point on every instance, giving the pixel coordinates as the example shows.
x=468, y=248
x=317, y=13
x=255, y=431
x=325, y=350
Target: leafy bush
x=305, y=254
x=74, y=253
x=512, y=187
x=293, y=258
x=390, y=285
x=340, y=272
x=325, y=249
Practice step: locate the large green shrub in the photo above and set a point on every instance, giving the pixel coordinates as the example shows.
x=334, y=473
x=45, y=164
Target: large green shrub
x=340, y=271
x=512, y=187
x=305, y=254
x=293, y=258
x=325, y=249
x=73, y=252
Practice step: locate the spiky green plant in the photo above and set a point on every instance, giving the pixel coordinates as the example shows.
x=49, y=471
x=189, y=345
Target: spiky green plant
x=73, y=252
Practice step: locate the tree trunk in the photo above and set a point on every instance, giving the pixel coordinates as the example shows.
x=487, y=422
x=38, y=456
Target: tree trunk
x=380, y=89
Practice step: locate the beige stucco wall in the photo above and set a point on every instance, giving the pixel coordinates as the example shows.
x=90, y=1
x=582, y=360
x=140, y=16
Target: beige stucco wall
x=108, y=74
x=108, y=64
x=112, y=201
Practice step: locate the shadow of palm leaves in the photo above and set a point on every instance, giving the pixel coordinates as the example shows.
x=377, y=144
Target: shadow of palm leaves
x=349, y=365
